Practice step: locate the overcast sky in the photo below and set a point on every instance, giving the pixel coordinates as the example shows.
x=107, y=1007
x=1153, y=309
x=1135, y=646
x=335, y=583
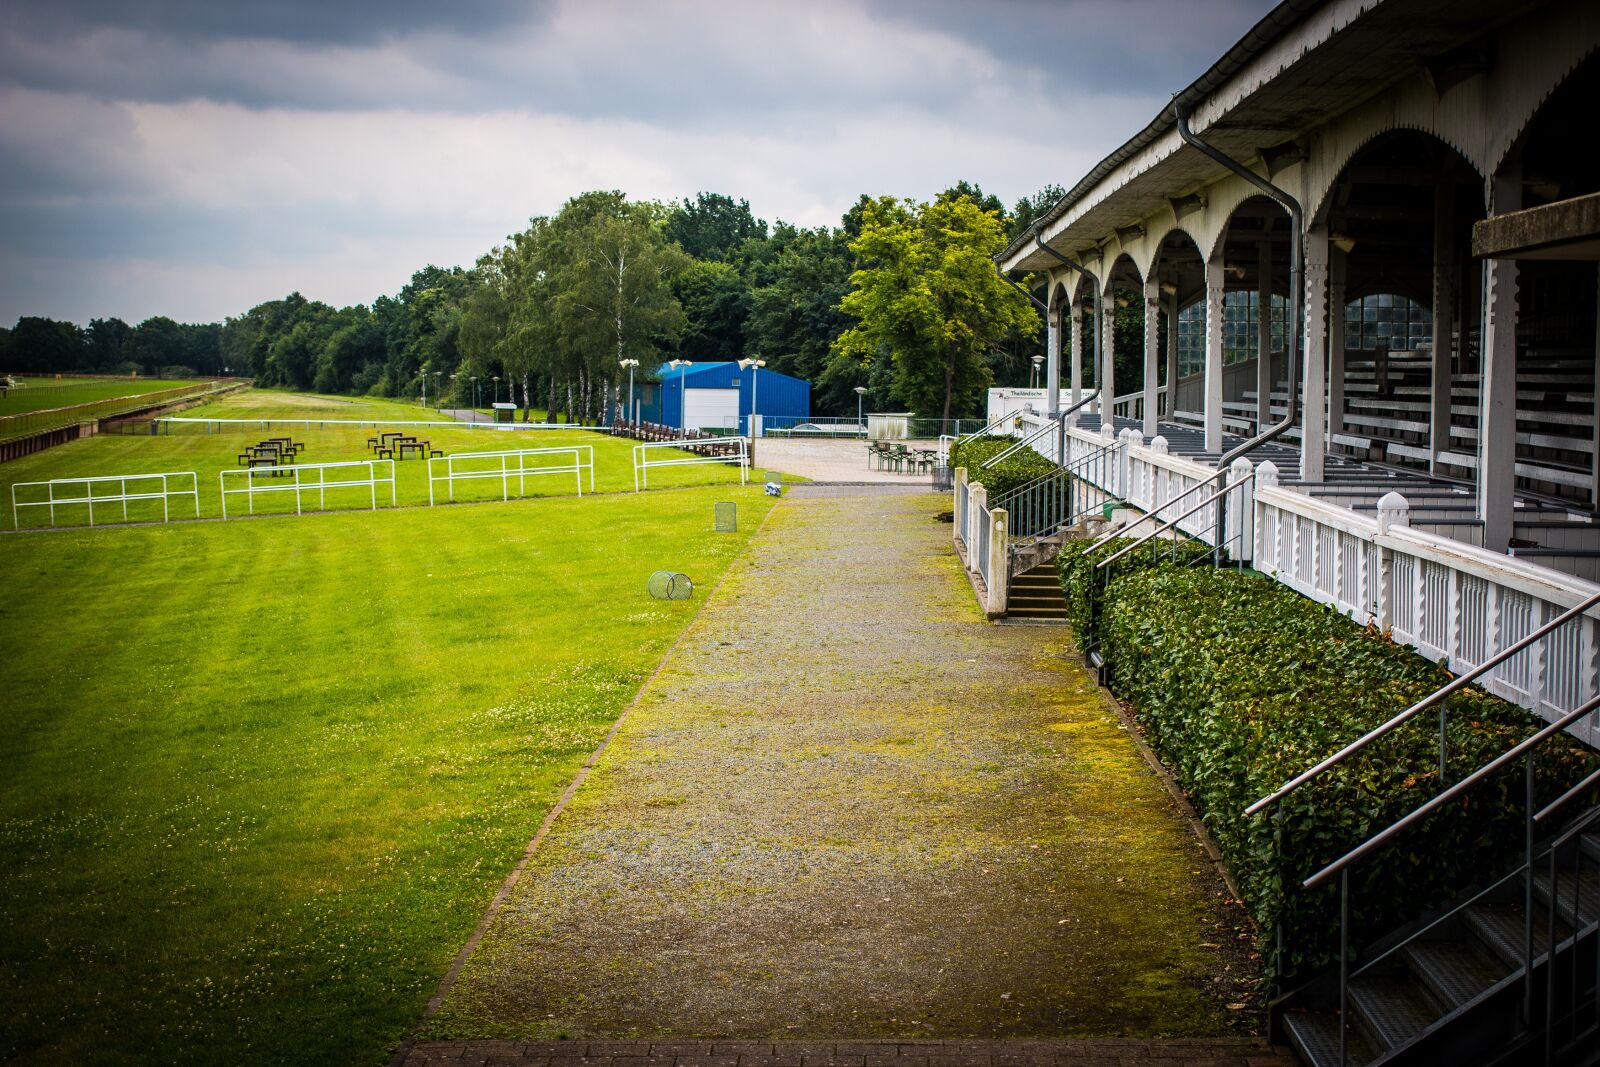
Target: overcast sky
x=193, y=158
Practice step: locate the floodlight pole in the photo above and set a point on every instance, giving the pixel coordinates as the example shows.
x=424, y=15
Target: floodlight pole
x=753, y=365
x=633, y=404
x=683, y=399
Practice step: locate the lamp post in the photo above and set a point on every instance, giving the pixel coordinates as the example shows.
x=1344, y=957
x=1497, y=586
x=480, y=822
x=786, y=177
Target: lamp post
x=497, y=388
x=753, y=366
x=474, y=392
x=438, y=389
x=633, y=406
x=424, y=387
x=683, y=409
x=1037, y=360
x=861, y=391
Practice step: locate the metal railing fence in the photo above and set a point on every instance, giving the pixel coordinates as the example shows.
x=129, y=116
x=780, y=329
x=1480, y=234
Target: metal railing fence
x=145, y=487
x=299, y=483
x=515, y=464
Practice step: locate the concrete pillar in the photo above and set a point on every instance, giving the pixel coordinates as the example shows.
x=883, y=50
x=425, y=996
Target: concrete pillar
x=1172, y=355
x=1106, y=376
x=999, y=565
x=1052, y=354
x=1075, y=314
x=1263, y=336
x=1152, y=355
x=1314, y=348
x=1444, y=317
x=1497, y=383
x=1216, y=286
x=1336, y=264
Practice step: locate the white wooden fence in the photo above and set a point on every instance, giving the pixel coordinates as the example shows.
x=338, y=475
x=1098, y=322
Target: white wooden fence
x=303, y=478
x=86, y=493
x=514, y=465
x=1453, y=602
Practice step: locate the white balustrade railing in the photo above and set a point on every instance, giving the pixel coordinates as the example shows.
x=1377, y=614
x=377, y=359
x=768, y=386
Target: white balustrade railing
x=1454, y=603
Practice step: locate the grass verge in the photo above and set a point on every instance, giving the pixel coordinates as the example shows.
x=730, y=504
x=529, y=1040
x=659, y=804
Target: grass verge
x=263, y=777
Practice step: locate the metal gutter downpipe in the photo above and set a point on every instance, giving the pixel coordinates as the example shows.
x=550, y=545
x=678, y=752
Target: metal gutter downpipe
x=1295, y=329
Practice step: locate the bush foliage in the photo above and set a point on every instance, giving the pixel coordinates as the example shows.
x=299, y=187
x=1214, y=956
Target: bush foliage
x=1015, y=470
x=1240, y=684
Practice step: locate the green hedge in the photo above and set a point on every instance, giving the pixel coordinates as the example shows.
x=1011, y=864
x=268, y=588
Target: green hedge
x=1241, y=683
x=1084, y=586
x=1018, y=469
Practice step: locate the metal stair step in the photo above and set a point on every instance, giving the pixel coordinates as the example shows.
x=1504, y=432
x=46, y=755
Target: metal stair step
x=1577, y=899
x=1393, y=1006
x=1500, y=927
x=1590, y=844
x=1455, y=971
x=1316, y=1037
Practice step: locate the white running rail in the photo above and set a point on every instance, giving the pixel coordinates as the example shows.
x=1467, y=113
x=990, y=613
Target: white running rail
x=128, y=487
x=378, y=471
x=509, y=465
x=690, y=453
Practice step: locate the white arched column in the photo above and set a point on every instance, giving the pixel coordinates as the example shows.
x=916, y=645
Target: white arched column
x=1216, y=288
x=1497, y=413
x=1052, y=364
x=1152, y=355
x=1075, y=345
x=1106, y=378
x=1312, y=428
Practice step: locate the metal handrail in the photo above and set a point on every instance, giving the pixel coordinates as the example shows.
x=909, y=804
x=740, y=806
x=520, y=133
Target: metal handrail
x=968, y=437
x=1450, y=794
x=1163, y=506
x=1224, y=491
x=1422, y=705
x=1019, y=446
x=1071, y=468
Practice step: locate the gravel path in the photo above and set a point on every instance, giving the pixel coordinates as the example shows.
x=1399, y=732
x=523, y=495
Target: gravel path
x=848, y=807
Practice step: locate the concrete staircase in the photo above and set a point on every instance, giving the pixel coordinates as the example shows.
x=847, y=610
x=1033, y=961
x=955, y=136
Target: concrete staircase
x=1035, y=595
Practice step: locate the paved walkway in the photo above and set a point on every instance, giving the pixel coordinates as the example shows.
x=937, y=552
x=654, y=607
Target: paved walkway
x=848, y=807
x=832, y=460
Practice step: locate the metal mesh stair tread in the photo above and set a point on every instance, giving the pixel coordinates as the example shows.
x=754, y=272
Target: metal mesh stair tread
x=1570, y=890
x=1393, y=1007
x=1455, y=971
x=1316, y=1037
x=1500, y=926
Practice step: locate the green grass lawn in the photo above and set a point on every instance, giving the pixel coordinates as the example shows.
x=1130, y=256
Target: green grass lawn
x=263, y=777
x=41, y=393
x=191, y=449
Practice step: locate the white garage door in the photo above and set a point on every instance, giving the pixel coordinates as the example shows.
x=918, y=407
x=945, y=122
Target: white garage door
x=711, y=408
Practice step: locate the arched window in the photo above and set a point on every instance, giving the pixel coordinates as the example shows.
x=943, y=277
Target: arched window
x=1386, y=320
x=1241, y=310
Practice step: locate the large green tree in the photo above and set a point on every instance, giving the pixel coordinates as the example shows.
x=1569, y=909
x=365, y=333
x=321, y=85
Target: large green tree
x=926, y=298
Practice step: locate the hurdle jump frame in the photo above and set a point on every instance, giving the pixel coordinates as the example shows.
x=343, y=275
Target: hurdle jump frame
x=90, y=498
x=582, y=460
x=300, y=486
x=642, y=461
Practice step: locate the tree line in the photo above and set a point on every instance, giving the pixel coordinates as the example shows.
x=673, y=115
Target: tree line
x=899, y=298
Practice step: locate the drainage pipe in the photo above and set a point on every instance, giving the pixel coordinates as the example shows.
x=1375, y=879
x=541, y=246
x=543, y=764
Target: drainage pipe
x=1296, y=297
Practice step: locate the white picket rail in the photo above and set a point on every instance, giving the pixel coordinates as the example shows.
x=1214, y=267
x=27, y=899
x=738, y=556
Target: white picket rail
x=687, y=457
x=509, y=465
x=89, y=497
x=1453, y=602
x=299, y=485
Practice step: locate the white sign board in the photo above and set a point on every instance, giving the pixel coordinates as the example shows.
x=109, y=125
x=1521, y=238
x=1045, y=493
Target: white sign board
x=1015, y=401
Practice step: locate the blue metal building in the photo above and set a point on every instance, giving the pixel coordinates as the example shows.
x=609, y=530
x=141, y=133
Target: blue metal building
x=718, y=396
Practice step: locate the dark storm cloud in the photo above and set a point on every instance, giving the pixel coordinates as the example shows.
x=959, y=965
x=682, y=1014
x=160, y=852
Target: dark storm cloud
x=305, y=21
